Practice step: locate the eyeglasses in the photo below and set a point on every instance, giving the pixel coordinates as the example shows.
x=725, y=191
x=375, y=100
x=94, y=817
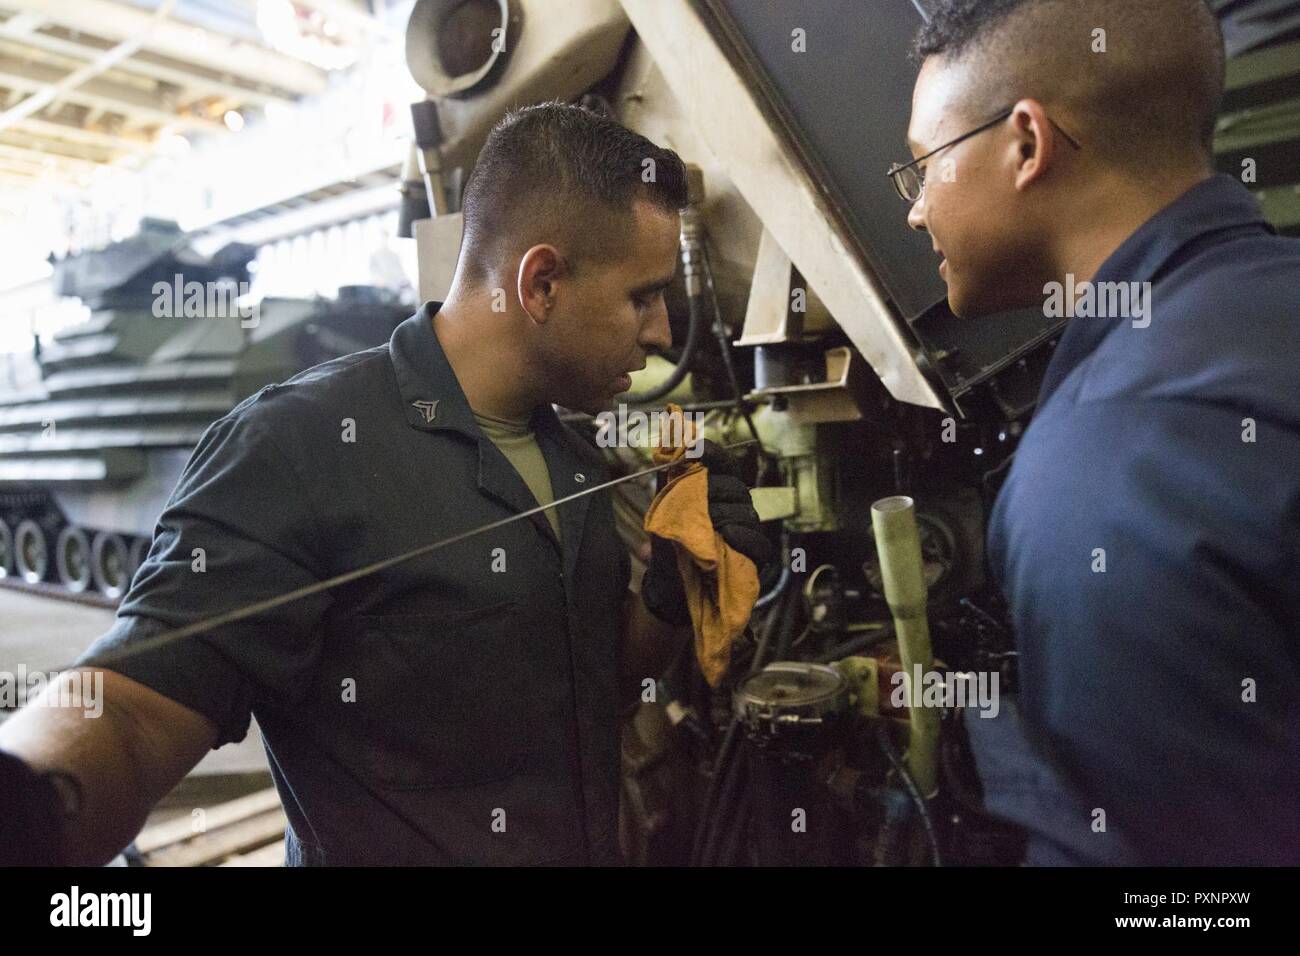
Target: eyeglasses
x=909, y=178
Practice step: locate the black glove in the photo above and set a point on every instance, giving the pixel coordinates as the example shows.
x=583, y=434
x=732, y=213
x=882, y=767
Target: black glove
x=731, y=510
x=31, y=821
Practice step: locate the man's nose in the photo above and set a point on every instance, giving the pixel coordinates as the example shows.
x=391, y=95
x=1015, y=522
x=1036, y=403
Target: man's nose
x=656, y=333
x=916, y=216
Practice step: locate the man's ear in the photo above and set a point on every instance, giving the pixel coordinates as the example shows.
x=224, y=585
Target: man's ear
x=539, y=269
x=1033, y=143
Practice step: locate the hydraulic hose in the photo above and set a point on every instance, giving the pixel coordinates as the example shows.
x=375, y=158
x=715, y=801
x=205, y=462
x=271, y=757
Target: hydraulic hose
x=693, y=273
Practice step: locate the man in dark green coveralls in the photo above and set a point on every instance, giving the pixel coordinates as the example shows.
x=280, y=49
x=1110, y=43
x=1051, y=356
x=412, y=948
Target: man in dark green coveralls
x=459, y=708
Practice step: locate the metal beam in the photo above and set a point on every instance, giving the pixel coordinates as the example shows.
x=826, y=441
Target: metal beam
x=115, y=97
x=117, y=21
x=152, y=65
x=57, y=129
x=105, y=61
x=20, y=139
x=39, y=157
x=326, y=212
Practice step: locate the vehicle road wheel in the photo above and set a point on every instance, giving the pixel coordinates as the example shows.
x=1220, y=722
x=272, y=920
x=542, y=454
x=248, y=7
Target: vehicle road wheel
x=31, y=552
x=6, y=550
x=72, y=555
x=110, y=564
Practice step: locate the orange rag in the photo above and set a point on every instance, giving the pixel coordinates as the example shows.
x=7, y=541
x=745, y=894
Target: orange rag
x=721, y=583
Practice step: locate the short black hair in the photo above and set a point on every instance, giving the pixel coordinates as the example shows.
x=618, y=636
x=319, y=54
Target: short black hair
x=547, y=173
x=1153, y=97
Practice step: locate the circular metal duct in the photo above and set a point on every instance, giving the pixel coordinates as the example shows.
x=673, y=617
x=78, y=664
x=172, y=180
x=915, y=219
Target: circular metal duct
x=459, y=47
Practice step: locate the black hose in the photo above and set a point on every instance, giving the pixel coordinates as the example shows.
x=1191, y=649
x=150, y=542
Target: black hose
x=785, y=617
x=909, y=783
x=784, y=580
x=733, y=826
x=760, y=651
x=724, y=344
x=683, y=363
x=711, y=795
x=853, y=645
x=724, y=762
x=769, y=625
x=732, y=794
x=789, y=623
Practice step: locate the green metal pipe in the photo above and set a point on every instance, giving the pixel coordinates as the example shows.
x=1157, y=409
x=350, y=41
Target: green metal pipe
x=899, y=546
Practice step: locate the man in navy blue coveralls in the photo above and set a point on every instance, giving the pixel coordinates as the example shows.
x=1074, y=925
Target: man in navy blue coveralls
x=1147, y=538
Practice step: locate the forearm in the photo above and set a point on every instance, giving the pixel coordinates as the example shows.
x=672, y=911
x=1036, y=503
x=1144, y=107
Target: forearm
x=649, y=646
x=121, y=758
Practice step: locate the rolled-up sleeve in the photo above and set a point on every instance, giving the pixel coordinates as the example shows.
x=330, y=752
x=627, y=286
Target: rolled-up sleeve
x=239, y=528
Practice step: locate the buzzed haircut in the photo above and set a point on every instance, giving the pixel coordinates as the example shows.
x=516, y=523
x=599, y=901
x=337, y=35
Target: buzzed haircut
x=1149, y=101
x=565, y=175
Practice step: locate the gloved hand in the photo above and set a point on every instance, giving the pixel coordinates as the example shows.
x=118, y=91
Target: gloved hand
x=31, y=824
x=732, y=514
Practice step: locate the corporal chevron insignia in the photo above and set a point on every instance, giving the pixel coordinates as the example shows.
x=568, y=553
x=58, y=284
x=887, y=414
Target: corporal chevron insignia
x=428, y=409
